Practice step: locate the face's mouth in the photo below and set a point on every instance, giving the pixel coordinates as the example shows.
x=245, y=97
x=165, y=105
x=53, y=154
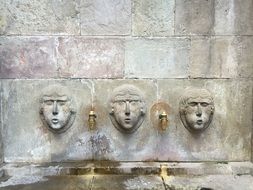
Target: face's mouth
x=127, y=120
x=55, y=121
x=199, y=121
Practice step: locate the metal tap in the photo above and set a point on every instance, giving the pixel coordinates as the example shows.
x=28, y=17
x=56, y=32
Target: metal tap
x=92, y=120
x=163, y=117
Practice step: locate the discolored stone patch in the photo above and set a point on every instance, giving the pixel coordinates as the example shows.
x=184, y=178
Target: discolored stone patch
x=233, y=17
x=27, y=57
x=127, y=182
x=153, y=18
x=30, y=17
x=47, y=183
x=203, y=63
x=233, y=55
x=90, y=57
x=194, y=17
x=209, y=182
x=157, y=58
x=221, y=57
x=105, y=17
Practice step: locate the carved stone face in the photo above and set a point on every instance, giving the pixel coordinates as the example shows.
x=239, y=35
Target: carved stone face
x=56, y=112
x=196, y=109
x=127, y=108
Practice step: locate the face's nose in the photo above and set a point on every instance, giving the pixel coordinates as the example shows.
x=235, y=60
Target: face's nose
x=127, y=108
x=199, y=110
x=55, y=108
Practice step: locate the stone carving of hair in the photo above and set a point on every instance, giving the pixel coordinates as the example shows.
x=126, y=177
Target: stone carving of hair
x=194, y=93
x=130, y=90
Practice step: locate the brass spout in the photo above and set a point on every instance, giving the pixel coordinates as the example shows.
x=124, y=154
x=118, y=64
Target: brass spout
x=163, y=120
x=92, y=120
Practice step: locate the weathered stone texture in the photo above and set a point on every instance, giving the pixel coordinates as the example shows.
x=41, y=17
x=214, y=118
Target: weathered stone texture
x=25, y=137
x=106, y=17
x=221, y=182
x=233, y=17
x=233, y=54
x=128, y=182
x=201, y=59
x=47, y=182
x=194, y=17
x=110, y=143
x=29, y=17
x=157, y=58
x=221, y=57
x=245, y=56
x=92, y=167
x=27, y=57
x=90, y=57
x=153, y=18
x=228, y=136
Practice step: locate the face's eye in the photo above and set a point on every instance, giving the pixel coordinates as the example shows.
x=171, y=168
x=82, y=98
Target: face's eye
x=61, y=103
x=49, y=102
x=204, y=104
x=121, y=103
x=192, y=104
x=134, y=102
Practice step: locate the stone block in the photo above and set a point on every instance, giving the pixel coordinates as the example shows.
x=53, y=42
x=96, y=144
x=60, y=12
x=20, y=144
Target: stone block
x=157, y=58
x=233, y=17
x=27, y=57
x=153, y=18
x=110, y=143
x=27, y=139
x=233, y=54
x=194, y=17
x=221, y=57
x=202, y=64
x=229, y=134
x=208, y=168
x=221, y=182
x=90, y=57
x=105, y=17
x=30, y=17
x=245, y=56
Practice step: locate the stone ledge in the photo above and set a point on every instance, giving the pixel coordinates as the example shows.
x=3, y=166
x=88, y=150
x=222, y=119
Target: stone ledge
x=129, y=168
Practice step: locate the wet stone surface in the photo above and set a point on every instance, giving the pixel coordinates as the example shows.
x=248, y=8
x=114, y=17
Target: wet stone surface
x=211, y=182
x=126, y=182
x=48, y=183
x=82, y=182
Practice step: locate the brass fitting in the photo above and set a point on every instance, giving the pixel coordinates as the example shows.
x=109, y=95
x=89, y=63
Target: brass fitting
x=92, y=120
x=163, y=117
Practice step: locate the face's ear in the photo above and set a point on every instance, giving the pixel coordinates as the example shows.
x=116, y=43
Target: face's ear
x=112, y=111
x=143, y=110
x=212, y=109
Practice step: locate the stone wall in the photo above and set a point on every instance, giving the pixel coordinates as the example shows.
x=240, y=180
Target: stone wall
x=92, y=46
